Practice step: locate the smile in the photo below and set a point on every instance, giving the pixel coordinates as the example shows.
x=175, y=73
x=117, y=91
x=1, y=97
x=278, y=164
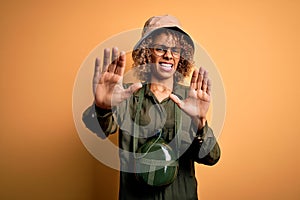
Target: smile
x=166, y=66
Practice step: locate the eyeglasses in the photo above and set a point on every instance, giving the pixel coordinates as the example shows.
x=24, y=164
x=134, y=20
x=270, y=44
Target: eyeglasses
x=160, y=50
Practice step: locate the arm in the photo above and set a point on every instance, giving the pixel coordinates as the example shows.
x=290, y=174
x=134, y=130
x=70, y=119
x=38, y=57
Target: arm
x=109, y=92
x=204, y=148
x=99, y=121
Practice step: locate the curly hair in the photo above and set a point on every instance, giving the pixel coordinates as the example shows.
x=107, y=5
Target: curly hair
x=142, y=59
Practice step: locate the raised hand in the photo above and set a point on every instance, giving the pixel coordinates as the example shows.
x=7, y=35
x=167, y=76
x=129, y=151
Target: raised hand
x=197, y=103
x=107, y=83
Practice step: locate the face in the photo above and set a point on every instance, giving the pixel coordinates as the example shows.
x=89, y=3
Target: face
x=165, y=57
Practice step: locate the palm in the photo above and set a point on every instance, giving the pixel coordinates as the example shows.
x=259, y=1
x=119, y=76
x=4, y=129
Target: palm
x=107, y=84
x=197, y=103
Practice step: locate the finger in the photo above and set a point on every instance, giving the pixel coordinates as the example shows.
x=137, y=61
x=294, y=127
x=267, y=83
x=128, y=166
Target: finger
x=204, y=82
x=120, y=68
x=97, y=66
x=114, y=59
x=96, y=77
x=177, y=100
x=200, y=78
x=106, y=56
x=97, y=70
x=194, y=79
x=209, y=84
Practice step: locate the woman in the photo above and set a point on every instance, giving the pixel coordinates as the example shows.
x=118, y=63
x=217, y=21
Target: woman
x=159, y=109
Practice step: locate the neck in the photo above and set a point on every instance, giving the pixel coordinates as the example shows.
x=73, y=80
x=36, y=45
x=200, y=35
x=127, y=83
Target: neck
x=161, y=89
x=162, y=84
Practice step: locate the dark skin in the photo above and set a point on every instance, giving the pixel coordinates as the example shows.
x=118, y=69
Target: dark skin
x=109, y=91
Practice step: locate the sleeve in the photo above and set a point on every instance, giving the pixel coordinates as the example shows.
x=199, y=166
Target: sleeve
x=205, y=148
x=99, y=121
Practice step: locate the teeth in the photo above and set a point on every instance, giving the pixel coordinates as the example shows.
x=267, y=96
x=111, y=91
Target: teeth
x=166, y=65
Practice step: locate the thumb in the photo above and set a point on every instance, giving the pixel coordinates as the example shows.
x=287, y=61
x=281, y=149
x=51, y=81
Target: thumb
x=134, y=87
x=177, y=100
x=131, y=89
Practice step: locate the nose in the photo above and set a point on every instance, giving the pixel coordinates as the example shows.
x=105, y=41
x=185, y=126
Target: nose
x=168, y=54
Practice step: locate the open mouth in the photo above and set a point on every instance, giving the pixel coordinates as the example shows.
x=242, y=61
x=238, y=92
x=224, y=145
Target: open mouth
x=166, y=66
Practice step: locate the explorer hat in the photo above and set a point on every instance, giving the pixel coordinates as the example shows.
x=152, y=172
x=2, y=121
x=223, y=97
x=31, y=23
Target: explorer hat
x=163, y=21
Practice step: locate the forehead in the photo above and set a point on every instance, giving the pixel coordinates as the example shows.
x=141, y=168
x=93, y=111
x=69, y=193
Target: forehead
x=166, y=39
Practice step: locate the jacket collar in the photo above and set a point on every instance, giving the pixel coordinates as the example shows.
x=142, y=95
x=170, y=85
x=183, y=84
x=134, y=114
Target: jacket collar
x=178, y=89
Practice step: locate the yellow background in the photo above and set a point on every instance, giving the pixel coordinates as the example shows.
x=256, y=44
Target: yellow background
x=255, y=45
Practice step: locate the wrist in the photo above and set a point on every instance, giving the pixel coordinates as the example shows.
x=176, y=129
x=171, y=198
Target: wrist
x=199, y=122
x=100, y=112
x=101, y=105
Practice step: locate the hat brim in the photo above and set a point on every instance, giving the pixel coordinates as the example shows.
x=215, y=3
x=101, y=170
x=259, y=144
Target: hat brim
x=174, y=28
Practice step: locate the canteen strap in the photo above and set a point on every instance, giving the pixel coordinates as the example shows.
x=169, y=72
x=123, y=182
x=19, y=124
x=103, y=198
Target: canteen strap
x=158, y=163
x=178, y=120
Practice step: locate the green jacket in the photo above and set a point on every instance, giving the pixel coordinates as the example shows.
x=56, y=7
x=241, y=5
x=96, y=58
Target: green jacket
x=156, y=115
